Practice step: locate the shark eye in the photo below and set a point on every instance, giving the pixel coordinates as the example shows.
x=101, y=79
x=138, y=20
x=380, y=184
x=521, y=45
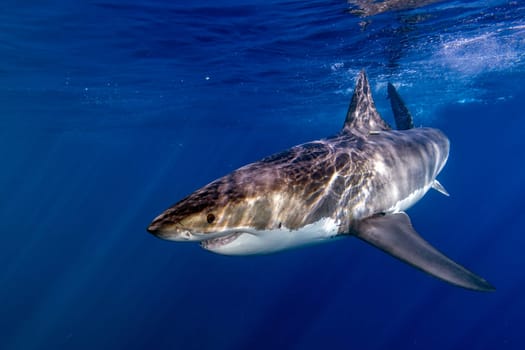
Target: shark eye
x=210, y=218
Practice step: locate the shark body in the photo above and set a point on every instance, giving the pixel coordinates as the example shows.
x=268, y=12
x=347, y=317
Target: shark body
x=356, y=183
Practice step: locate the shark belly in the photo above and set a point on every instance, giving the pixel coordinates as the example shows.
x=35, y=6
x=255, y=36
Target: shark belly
x=405, y=203
x=252, y=242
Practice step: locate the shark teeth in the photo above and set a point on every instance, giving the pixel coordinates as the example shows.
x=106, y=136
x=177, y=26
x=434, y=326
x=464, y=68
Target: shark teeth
x=219, y=241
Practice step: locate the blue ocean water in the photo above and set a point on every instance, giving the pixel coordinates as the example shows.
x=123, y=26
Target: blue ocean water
x=110, y=111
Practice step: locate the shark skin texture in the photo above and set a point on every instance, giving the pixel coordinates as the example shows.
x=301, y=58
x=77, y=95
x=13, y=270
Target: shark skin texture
x=357, y=183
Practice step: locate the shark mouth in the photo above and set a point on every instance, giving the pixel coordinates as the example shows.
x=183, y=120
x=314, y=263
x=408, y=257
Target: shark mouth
x=219, y=241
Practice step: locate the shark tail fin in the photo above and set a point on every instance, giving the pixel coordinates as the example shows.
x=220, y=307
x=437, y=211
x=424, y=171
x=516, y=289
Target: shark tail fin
x=402, y=116
x=362, y=114
x=395, y=235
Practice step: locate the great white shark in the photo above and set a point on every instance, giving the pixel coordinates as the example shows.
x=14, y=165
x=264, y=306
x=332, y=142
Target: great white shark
x=357, y=183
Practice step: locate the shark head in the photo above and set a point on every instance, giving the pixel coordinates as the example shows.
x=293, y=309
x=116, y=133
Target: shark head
x=249, y=212
x=218, y=209
x=242, y=213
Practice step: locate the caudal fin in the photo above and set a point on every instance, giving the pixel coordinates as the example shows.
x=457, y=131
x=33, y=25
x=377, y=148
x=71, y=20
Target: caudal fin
x=402, y=116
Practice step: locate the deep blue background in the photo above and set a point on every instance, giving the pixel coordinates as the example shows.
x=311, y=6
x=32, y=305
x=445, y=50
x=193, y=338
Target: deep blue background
x=111, y=111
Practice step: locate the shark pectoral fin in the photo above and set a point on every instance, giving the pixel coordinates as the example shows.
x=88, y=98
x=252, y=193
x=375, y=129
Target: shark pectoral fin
x=395, y=235
x=440, y=188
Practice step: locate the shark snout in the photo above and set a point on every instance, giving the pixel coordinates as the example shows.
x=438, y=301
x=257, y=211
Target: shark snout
x=162, y=224
x=169, y=231
x=154, y=228
x=160, y=227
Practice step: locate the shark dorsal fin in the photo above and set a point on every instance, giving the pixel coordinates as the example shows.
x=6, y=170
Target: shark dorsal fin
x=402, y=116
x=362, y=114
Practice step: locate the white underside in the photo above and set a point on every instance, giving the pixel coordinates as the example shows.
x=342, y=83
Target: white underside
x=409, y=201
x=249, y=241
